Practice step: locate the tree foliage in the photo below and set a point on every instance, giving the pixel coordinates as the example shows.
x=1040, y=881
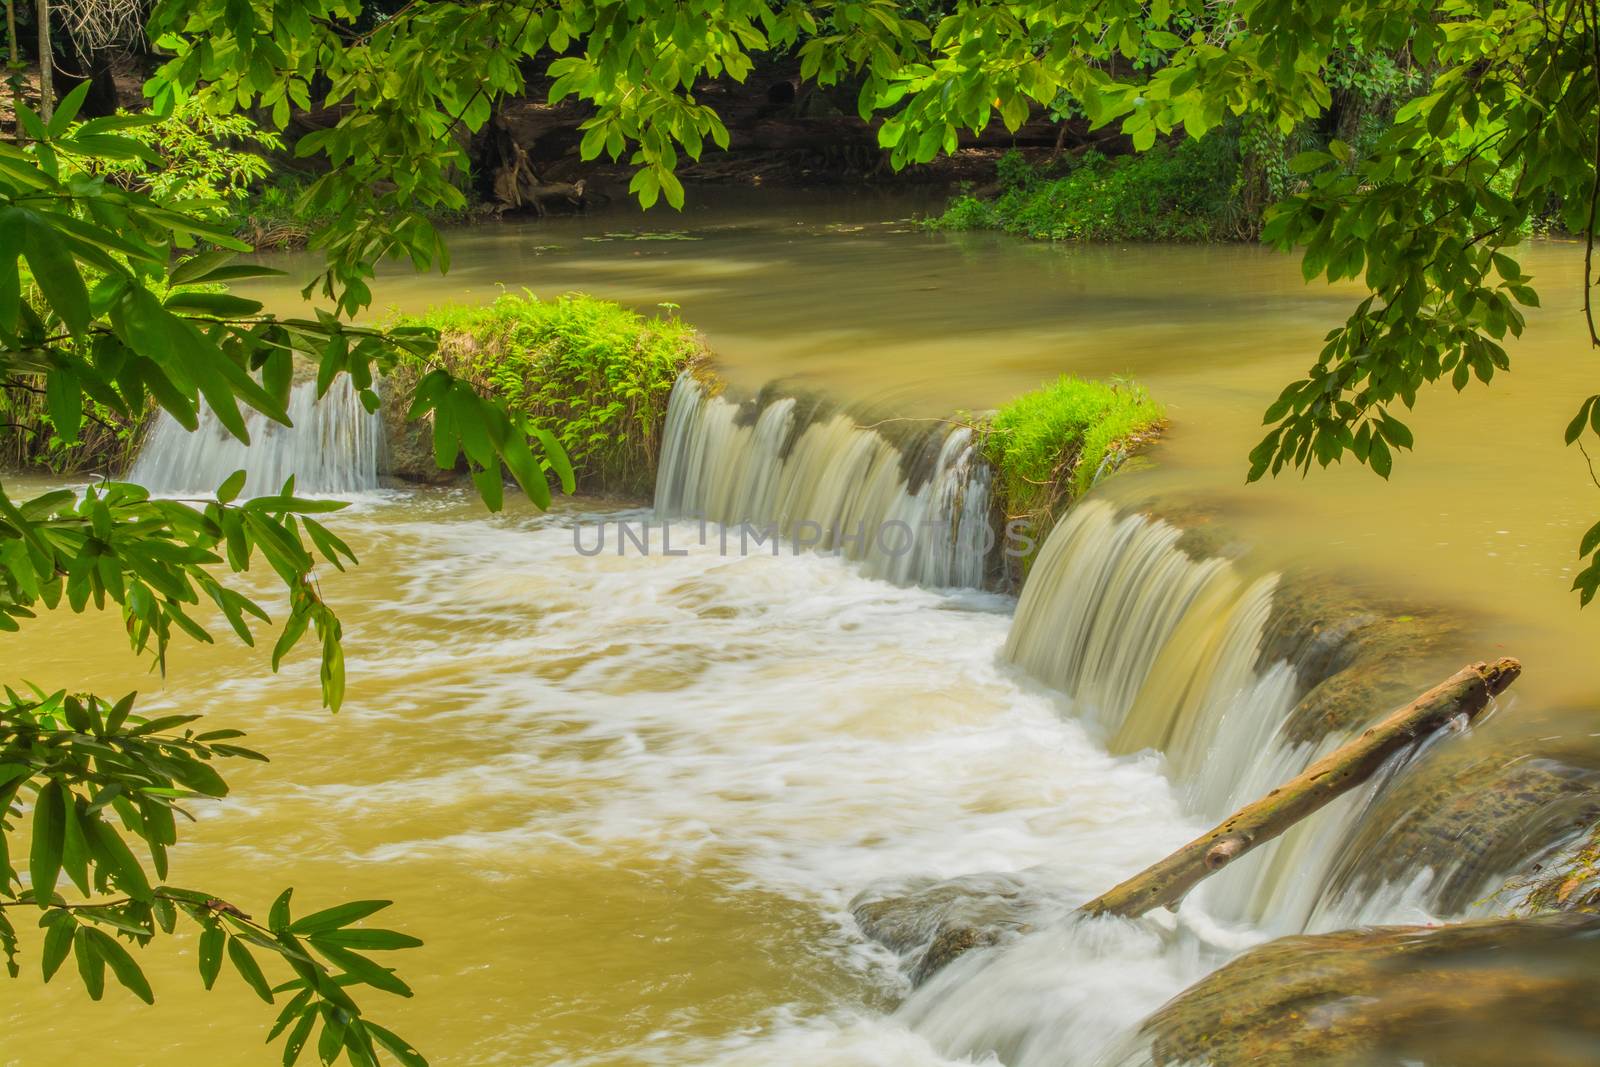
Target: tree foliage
x=112, y=293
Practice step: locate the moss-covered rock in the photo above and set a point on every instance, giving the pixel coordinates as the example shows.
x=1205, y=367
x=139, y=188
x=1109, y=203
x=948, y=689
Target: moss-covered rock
x=1050, y=445
x=1469, y=815
x=1480, y=994
x=1357, y=656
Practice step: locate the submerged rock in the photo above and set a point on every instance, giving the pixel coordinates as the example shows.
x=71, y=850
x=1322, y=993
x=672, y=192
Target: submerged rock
x=1480, y=994
x=931, y=923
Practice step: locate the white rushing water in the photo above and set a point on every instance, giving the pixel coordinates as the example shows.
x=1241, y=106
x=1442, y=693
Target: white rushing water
x=831, y=484
x=790, y=720
x=333, y=447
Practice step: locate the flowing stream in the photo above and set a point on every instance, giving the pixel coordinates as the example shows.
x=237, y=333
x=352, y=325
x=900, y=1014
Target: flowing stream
x=627, y=799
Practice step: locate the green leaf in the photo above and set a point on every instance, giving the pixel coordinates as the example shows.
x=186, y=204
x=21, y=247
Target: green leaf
x=298, y=1036
x=1379, y=458
x=55, y=273
x=278, y=917
x=211, y=941
x=231, y=487
x=361, y=968
x=74, y=845
x=371, y=940
x=67, y=110
x=112, y=855
x=198, y=267
x=91, y=965
x=1591, y=540
x=49, y=833
x=248, y=969
x=57, y=942
x=64, y=399
x=1580, y=420
x=339, y=916
x=402, y=1050
x=123, y=966
x=217, y=305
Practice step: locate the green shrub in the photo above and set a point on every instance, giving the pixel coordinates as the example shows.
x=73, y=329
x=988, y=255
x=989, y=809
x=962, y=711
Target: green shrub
x=1050, y=445
x=1182, y=193
x=593, y=373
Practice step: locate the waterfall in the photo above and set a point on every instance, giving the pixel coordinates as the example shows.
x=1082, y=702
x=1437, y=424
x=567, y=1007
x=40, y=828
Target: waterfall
x=1159, y=651
x=915, y=516
x=333, y=447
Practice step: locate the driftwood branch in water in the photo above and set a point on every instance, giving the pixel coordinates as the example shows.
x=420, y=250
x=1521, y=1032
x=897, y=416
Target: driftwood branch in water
x=1467, y=693
x=517, y=183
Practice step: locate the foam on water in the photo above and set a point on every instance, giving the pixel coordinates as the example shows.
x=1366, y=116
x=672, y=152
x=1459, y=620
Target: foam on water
x=807, y=726
x=808, y=729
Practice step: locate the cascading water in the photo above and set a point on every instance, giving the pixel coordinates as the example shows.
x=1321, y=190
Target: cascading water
x=333, y=447
x=830, y=484
x=1158, y=652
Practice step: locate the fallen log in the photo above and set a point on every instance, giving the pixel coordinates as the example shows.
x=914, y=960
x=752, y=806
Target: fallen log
x=1165, y=883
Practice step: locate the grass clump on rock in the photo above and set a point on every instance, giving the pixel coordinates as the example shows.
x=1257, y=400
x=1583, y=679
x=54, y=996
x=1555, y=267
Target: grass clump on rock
x=593, y=373
x=1050, y=445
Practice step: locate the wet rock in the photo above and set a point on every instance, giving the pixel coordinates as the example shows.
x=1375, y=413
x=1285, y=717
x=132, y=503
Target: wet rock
x=1569, y=881
x=1470, y=815
x=1481, y=994
x=408, y=446
x=930, y=923
x=1357, y=657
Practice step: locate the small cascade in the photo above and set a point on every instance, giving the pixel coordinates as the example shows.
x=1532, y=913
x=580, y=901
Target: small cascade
x=1161, y=651
x=1154, y=648
x=915, y=517
x=333, y=447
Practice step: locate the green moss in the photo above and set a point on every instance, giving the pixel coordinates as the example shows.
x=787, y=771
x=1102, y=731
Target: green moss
x=1049, y=445
x=1187, y=192
x=592, y=372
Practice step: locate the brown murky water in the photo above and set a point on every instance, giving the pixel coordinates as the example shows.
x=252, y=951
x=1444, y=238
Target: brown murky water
x=626, y=802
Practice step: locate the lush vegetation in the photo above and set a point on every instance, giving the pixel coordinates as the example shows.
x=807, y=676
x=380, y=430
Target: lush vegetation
x=590, y=372
x=1050, y=445
x=207, y=162
x=1505, y=124
x=117, y=325
x=1185, y=192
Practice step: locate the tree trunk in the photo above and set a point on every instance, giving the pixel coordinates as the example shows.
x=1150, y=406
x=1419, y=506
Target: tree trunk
x=1468, y=692
x=16, y=71
x=47, y=63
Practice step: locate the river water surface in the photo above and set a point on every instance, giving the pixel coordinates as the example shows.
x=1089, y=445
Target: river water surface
x=626, y=802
